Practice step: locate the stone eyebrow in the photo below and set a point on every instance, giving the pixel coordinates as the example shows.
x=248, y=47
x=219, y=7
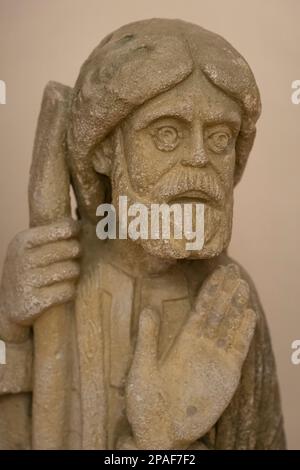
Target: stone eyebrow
x=178, y=112
x=233, y=119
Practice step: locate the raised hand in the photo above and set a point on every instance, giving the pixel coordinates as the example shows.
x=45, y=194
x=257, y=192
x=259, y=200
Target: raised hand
x=175, y=400
x=39, y=272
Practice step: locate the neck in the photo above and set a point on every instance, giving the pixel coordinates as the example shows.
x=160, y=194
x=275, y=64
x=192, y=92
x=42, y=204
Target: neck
x=133, y=258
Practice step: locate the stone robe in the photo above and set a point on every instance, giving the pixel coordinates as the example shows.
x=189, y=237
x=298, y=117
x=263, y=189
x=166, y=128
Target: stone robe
x=106, y=309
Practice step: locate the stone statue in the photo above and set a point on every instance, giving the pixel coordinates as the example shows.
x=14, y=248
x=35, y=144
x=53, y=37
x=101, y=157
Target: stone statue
x=138, y=344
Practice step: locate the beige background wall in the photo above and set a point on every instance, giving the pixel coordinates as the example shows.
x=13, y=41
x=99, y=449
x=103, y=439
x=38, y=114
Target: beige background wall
x=49, y=39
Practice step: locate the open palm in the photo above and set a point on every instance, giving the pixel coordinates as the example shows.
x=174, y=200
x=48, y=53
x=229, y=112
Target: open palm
x=174, y=400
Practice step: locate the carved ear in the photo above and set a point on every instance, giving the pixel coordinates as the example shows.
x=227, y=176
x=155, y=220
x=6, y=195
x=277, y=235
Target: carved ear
x=243, y=148
x=102, y=157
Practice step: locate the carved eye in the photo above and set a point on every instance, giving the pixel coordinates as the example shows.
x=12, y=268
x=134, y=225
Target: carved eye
x=166, y=138
x=218, y=140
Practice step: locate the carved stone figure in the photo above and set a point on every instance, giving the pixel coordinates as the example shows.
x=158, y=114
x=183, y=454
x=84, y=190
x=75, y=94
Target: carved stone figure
x=138, y=344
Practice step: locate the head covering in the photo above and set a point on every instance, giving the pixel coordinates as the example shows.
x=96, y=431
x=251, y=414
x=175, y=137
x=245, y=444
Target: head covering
x=136, y=63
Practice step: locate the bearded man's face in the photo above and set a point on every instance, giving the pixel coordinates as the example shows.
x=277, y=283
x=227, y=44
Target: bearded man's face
x=179, y=147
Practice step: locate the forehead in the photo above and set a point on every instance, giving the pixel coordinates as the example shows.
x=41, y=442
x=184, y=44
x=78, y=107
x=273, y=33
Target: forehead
x=194, y=98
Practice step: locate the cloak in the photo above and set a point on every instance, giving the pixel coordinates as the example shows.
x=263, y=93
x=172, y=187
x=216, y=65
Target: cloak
x=106, y=310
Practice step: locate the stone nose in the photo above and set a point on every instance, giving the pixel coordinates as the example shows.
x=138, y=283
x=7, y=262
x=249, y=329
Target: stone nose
x=197, y=156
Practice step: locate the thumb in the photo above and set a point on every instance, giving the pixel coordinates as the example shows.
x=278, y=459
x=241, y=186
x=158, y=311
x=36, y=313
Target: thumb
x=147, y=339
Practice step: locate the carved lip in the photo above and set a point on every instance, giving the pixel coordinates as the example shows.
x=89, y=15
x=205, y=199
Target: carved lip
x=190, y=197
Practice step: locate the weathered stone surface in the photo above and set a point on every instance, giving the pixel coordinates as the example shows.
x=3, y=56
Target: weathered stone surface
x=145, y=344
